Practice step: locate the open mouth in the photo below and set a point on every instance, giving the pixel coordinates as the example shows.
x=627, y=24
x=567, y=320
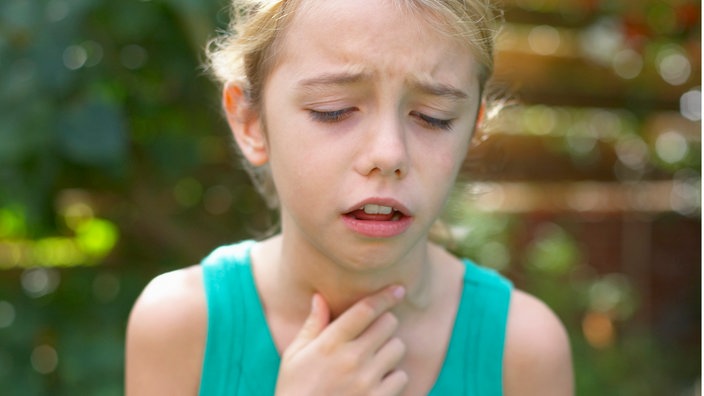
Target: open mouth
x=373, y=212
x=376, y=220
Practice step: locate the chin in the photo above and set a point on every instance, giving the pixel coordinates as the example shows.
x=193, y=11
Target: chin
x=376, y=256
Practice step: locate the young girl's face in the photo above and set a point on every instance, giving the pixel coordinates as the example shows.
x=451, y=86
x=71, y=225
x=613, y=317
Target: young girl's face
x=368, y=112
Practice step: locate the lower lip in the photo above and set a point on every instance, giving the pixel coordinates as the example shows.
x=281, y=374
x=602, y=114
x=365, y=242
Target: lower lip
x=378, y=229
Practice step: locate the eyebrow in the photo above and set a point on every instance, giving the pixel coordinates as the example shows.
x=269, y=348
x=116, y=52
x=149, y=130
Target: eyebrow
x=349, y=78
x=439, y=89
x=343, y=78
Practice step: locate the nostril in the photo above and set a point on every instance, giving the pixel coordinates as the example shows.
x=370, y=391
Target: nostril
x=383, y=157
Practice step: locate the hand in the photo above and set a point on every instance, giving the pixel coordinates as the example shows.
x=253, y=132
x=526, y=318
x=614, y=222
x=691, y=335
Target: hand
x=356, y=354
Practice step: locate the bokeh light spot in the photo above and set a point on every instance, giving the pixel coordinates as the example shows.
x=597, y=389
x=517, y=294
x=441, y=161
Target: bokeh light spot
x=44, y=359
x=632, y=151
x=133, y=56
x=627, y=64
x=12, y=223
x=685, y=197
x=671, y=147
x=691, y=105
x=56, y=10
x=539, y=119
x=7, y=314
x=94, y=53
x=601, y=41
x=612, y=295
x=10, y=255
x=598, y=330
x=38, y=282
x=553, y=250
x=581, y=144
x=585, y=197
x=96, y=237
x=673, y=65
x=544, y=40
x=56, y=252
x=76, y=214
x=74, y=57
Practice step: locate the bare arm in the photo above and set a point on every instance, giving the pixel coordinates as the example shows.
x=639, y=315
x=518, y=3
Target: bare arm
x=537, y=358
x=166, y=336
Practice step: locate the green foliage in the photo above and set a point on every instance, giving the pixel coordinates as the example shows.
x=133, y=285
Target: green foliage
x=86, y=84
x=96, y=97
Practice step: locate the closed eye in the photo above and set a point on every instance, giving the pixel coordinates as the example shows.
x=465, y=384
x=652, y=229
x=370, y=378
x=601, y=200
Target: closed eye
x=432, y=122
x=330, y=116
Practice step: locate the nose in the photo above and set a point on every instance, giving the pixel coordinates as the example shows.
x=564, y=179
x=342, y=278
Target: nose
x=384, y=150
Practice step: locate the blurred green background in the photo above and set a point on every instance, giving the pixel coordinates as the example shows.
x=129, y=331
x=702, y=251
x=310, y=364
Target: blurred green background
x=115, y=166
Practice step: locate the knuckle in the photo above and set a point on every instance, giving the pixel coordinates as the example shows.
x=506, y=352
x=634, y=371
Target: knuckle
x=398, y=345
x=327, y=347
x=364, y=383
x=390, y=320
x=368, y=309
x=395, y=350
x=350, y=360
x=402, y=377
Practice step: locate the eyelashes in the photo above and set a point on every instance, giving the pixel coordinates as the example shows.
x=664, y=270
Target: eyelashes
x=330, y=116
x=432, y=122
x=334, y=116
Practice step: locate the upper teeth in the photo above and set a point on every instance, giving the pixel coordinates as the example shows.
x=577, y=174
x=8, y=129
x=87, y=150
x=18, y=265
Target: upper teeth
x=377, y=209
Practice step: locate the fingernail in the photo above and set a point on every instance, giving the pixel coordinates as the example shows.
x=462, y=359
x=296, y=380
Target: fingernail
x=399, y=292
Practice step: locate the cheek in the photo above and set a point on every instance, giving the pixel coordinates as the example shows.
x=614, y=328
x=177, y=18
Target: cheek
x=445, y=156
x=460, y=154
x=301, y=168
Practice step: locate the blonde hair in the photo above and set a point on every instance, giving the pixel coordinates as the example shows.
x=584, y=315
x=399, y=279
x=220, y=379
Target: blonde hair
x=246, y=53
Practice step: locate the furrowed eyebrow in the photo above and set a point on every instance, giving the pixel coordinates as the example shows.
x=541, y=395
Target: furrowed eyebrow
x=331, y=79
x=442, y=90
x=349, y=78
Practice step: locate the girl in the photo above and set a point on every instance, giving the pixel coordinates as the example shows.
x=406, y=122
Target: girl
x=355, y=117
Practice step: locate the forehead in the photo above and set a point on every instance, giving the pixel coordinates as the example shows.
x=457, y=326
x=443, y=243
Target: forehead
x=383, y=35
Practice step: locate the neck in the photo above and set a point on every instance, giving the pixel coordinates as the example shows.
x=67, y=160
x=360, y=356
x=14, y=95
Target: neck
x=342, y=284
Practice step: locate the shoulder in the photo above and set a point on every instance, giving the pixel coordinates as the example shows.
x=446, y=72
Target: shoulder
x=537, y=357
x=166, y=335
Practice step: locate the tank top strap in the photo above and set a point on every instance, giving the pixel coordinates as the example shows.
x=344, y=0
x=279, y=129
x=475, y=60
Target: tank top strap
x=240, y=356
x=474, y=361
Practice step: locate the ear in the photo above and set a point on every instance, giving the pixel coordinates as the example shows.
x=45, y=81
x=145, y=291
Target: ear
x=245, y=124
x=481, y=112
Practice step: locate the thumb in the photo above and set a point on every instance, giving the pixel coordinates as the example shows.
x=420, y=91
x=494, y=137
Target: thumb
x=315, y=323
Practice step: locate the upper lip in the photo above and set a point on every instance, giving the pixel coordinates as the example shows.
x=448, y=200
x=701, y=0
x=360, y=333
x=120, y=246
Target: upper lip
x=393, y=203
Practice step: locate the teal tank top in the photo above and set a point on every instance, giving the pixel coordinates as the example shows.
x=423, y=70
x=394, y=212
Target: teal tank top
x=241, y=358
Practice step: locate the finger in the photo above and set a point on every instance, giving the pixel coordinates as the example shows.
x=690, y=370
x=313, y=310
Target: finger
x=362, y=314
x=388, y=357
x=315, y=323
x=378, y=333
x=393, y=384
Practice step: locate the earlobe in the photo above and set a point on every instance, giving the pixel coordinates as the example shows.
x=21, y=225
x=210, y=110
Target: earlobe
x=245, y=125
